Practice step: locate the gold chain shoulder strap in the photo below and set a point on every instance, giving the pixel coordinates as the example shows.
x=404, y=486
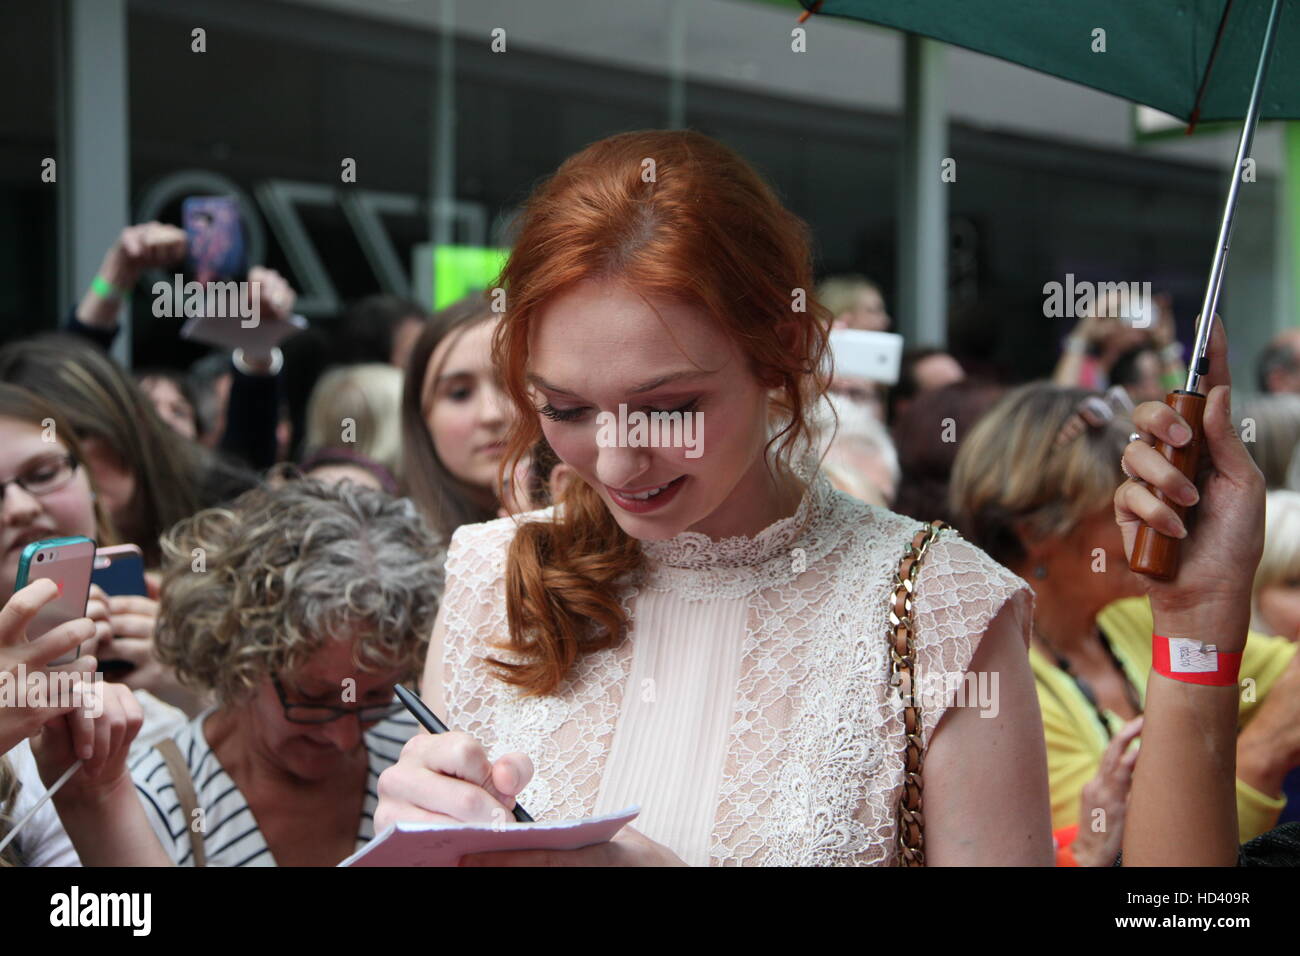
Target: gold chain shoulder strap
x=911, y=823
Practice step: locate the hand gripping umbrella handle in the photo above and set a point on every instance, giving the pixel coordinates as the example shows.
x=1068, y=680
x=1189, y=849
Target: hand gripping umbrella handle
x=1156, y=554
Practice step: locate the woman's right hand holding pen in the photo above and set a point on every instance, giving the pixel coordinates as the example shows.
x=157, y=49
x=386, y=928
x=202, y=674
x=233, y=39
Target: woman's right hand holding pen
x=448, y=778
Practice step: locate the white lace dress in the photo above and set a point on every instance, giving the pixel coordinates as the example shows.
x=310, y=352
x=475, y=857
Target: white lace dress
x=748, y=710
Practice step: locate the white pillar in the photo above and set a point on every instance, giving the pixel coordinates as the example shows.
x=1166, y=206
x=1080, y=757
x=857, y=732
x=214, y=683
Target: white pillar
x=94, y=170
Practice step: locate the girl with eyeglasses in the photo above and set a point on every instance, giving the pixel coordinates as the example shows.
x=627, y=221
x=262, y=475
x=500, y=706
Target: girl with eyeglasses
x=147, y=475
x=46, y=493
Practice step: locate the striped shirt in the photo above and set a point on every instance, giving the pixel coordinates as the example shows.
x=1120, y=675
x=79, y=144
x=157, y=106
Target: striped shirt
x=231, y=836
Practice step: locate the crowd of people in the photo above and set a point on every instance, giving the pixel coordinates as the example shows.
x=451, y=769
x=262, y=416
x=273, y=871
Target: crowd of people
x=713, y=638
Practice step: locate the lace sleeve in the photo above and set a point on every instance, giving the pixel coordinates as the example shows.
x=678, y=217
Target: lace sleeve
x=960, y=590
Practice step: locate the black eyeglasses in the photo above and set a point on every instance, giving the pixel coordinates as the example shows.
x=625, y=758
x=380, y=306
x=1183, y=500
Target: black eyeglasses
x=300, y=713
x=43, y=477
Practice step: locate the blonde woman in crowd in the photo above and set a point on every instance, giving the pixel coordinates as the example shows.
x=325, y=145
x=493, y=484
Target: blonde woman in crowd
x=855, y=302
x=1033, y=485
x=1270, y=430
x=359, y=408
x=1275, y=608
x=1275, y=599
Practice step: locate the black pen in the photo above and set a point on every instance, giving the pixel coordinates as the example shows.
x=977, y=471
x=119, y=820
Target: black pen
x=430, y=722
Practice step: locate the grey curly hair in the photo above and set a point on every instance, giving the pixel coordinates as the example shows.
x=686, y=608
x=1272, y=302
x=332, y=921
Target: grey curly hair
x=258, y=586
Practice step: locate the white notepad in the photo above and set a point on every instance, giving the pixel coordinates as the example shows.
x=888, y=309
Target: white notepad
x=443, y=844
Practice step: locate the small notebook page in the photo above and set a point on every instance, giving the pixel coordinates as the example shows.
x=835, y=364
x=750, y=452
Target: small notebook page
x=443, y=844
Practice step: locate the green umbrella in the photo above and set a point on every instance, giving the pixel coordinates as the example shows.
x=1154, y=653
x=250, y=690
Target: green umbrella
x=1166, y=54
x=1195, y=59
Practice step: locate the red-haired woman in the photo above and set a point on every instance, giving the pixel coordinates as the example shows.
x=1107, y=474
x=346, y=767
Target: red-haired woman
x=699, y=627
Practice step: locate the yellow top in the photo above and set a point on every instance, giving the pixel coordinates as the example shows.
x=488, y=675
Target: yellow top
x=1076, y=741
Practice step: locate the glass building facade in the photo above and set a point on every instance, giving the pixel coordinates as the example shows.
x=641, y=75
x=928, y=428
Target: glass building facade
x=285, y=93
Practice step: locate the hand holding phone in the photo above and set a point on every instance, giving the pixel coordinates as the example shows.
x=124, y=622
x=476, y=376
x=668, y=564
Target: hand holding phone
x=119, y=570
x=139, y=248
x=873, y=356
x=68, y=563
x=23, y=656
x=125, y=645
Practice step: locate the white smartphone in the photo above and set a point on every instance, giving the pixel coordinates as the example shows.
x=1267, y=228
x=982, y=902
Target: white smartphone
x=875, y=356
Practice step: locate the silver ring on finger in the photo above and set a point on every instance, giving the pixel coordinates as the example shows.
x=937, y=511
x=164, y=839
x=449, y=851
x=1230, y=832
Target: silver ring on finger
x=1134, y=436
x=1123, y=466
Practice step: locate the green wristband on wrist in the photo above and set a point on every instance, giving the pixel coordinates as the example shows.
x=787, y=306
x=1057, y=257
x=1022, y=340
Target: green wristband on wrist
x=104, y=289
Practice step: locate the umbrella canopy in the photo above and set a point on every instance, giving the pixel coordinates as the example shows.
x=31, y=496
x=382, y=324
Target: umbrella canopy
x=1167, y=54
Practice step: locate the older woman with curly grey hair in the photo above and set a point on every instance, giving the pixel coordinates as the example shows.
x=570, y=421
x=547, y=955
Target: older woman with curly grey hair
x=298, y=609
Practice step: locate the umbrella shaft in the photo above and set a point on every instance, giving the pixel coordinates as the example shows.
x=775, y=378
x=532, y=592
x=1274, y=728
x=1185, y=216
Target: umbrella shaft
x=1198, y=365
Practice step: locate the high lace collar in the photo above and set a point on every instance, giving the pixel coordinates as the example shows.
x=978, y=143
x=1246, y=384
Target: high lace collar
x=694, y=551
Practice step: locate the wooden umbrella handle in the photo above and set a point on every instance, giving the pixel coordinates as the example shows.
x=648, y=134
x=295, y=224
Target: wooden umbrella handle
x=1156, y=554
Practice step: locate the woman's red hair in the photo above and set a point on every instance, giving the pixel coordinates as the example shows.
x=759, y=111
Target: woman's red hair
x=670, y=214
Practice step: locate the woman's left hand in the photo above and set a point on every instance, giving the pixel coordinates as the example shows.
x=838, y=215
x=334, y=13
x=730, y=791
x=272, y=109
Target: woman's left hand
x=1218, y=559
x=1107, y=792
x=114, y=728
x=628, y=848
x=124, y=626
x=132, y=619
